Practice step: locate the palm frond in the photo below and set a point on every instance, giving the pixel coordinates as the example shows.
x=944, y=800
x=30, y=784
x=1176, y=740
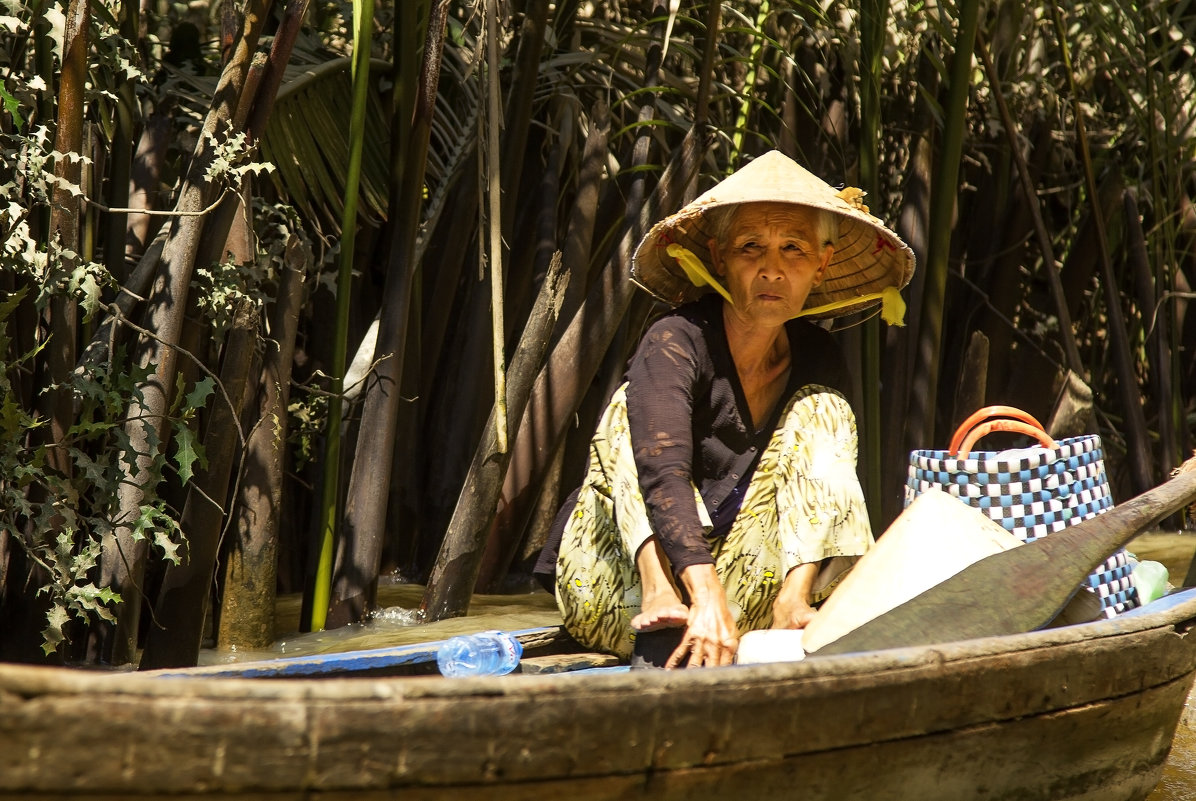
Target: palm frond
x=307, y=140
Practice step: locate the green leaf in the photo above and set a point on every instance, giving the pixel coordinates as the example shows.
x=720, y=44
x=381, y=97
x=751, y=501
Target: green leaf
x=170, y=548
x=198, y=396
x=90, y=598
x=94, y=472
x=52, y=635
x=13, y=107
x=83, y=281
x=187, y=452
x=138, y=373
x=13, y=421
x=146, y=521
x=85, y=429
x=124, y=446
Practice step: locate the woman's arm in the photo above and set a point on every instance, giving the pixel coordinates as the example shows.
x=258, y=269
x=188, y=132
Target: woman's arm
x=662, y=381
x=792, y=609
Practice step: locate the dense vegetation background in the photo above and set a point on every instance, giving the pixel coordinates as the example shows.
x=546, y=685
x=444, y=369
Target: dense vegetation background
x=299, y=295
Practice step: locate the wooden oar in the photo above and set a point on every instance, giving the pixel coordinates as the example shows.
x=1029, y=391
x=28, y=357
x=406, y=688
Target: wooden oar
x=1021, y=589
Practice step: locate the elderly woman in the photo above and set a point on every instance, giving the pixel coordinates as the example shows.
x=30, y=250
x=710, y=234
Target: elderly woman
x=722, y=494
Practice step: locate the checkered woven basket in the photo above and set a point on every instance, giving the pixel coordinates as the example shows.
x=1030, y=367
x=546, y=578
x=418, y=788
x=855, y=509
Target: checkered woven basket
x=1032, y=492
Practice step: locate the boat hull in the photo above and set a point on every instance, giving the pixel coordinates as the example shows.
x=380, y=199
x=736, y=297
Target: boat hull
x=1084, y=712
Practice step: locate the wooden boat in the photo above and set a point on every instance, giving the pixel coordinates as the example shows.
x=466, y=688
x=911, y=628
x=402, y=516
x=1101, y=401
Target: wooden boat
x=1078, y=712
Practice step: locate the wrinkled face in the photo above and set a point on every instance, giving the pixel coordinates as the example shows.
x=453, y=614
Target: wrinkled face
x=770, y=261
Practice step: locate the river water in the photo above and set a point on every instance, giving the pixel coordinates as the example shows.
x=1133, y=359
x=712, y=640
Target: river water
x=399, y=625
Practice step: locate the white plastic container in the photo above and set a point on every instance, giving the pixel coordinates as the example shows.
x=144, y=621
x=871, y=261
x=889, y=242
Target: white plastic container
x=770, y=645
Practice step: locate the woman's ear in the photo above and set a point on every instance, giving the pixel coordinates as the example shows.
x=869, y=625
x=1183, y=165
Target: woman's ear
x=717, y=265
x=828, y=250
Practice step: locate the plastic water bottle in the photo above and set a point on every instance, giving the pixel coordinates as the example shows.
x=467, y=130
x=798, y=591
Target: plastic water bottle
x=489, y=653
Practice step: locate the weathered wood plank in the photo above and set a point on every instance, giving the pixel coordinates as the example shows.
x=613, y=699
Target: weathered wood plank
x=1056, y=756
x=564, y=663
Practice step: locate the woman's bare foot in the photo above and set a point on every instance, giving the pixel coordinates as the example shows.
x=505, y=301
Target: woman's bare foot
x=661, y=613
x=661, y=607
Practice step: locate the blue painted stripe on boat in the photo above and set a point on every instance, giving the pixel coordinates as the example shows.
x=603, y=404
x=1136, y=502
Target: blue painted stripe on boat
x=593, y=670
x=328, y=664
x=1168, y=601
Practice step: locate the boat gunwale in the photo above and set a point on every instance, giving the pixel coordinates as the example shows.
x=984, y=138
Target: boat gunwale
x=445, y=736
x=1171, y=613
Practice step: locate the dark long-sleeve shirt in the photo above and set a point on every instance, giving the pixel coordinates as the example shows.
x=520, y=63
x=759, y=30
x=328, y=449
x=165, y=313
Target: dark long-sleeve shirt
x=690, y=420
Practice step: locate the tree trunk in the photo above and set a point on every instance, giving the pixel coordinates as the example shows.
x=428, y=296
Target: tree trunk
x=517, y=116
x=25, y=607
x=1030, y=197
x=900, y=350
x=972, y=390
x=176, y=632
x=64, y=231
x=250, y=566
x=579, y=239
x=145, y=183
x=577, y=256
x=1136, y=435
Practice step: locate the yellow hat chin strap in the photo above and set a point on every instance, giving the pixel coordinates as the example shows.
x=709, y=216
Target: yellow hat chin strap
x=695, y=271
x=892, y=305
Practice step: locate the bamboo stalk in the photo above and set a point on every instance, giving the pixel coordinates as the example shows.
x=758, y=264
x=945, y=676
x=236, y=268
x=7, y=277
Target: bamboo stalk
x=942, y=211
x=873, y=14
x=714, y=11
x=749, y=84
x=363, y=18
x=494, y=198
x=64, y=227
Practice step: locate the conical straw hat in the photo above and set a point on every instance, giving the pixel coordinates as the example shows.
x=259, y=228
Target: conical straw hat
x=868, y=257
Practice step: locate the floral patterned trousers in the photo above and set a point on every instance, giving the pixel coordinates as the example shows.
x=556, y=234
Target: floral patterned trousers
x=804, y=504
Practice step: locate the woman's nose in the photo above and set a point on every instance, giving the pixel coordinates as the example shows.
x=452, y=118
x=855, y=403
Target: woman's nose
x=770, y=266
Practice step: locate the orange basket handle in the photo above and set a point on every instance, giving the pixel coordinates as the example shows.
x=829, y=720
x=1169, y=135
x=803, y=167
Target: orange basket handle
x=973, y=429
x=1003, y=425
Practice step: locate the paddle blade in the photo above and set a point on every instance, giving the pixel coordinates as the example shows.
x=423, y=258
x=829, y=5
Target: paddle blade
x=1006, y=593
x=1018, y=590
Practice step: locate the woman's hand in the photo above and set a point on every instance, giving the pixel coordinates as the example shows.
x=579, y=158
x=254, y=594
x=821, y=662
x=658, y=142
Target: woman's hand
x=711, y=636
x=791, y=609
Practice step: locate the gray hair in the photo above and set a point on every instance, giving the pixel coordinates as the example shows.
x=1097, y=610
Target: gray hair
x=718, y=222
